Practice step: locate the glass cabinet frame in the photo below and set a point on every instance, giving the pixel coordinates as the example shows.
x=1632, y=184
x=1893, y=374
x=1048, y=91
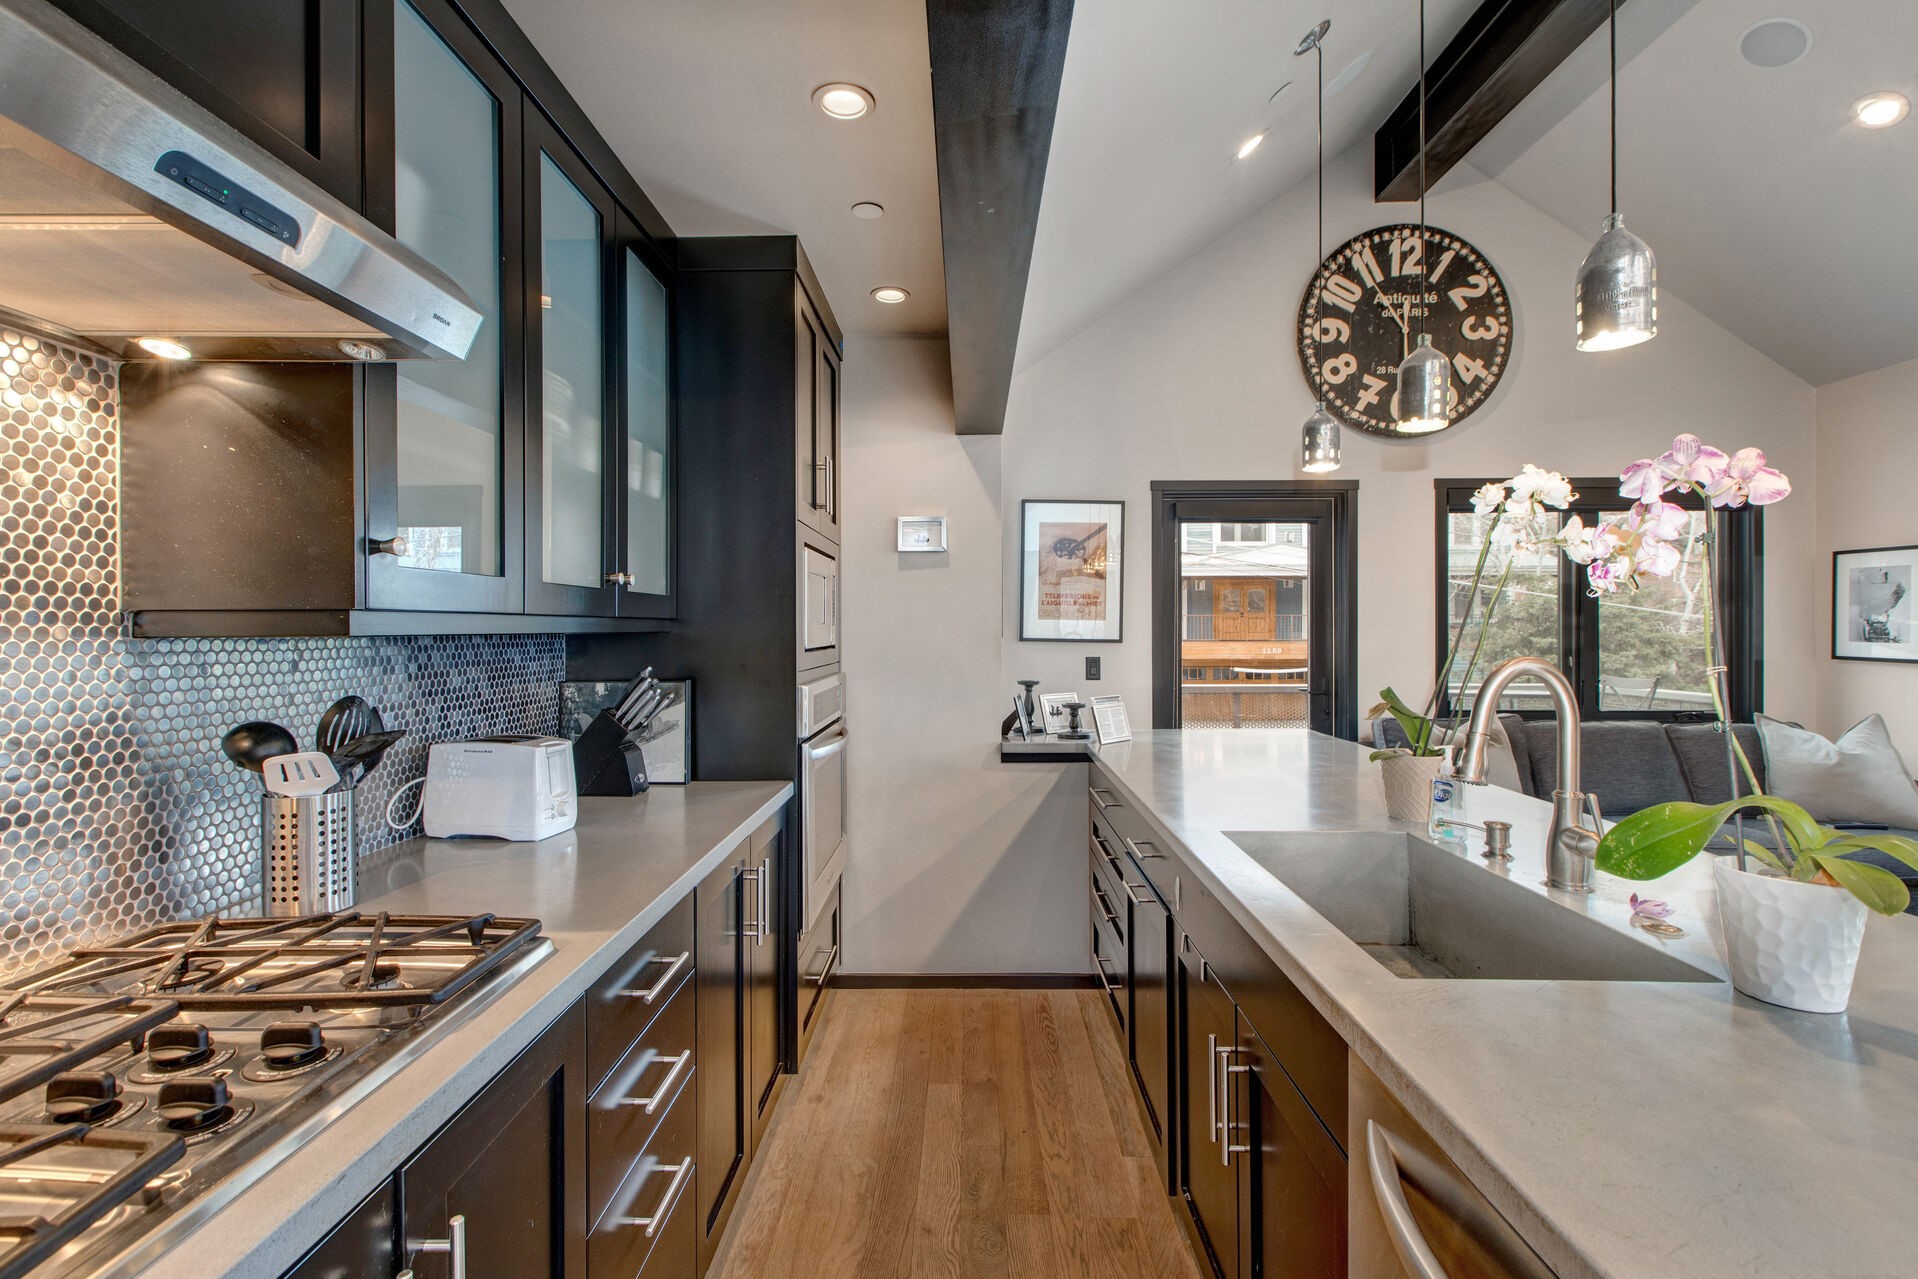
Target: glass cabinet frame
x=636, y=250
x=390, y=584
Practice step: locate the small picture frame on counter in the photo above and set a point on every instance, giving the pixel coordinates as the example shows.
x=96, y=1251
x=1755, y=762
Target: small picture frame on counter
x=922, y=534
x=1053, y=707
x=1110, y=720
x=667, y=739
x=1019, y=721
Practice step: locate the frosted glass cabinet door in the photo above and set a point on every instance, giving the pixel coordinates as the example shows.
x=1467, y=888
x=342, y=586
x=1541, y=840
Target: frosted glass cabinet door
x=445, y=436
x=570, y=514
x=649, y=422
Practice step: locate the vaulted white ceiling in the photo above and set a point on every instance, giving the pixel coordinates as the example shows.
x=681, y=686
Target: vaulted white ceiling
x=1155, y=101
x=710, y=106
x=1768, y=209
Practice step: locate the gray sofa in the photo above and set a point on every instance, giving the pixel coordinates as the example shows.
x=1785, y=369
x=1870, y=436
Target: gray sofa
x=1635, y=763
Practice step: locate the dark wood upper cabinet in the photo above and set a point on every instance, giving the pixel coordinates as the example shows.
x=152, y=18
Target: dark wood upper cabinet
x=529, y=487
x=816, y=366
x=572, y=385
x=445, y=442
x=285, y=74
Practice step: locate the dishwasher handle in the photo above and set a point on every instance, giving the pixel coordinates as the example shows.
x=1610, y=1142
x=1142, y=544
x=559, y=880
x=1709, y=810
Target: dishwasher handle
x=1394, y=1163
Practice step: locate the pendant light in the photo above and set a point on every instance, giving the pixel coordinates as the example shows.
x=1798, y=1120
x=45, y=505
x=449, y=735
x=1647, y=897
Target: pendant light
x=1425, y=377
x=1617, y=292
x=1319, y=440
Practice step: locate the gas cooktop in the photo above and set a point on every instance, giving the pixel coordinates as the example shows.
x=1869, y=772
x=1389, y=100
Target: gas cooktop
x=144, y=1083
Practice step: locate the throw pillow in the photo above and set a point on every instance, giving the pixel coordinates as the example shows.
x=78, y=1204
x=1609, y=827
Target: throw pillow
x=1858, y=778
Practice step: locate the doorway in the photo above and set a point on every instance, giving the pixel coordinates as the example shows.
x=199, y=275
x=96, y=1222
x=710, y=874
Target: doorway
x=1254, y=606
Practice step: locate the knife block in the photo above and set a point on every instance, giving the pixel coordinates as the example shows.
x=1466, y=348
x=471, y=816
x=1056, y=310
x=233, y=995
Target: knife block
x=606, y=759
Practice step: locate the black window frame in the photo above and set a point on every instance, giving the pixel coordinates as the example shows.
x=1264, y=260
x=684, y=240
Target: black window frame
x=1738, y=593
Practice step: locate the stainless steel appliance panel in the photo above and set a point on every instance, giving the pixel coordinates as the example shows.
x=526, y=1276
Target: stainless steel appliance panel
x=822, y=815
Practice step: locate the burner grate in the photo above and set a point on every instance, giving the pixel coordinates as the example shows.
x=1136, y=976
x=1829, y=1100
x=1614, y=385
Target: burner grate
x=42, y=1035
x=343, y=961
x=103, y=1170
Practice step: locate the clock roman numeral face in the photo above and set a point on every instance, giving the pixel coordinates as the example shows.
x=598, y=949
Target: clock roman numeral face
x=1367, y=304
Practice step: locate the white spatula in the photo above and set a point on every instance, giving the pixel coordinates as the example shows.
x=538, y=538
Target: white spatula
x=300, y=775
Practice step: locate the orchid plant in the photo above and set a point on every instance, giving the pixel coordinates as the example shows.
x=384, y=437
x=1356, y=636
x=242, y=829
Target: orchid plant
x=1511, y=509
x=1616, y=553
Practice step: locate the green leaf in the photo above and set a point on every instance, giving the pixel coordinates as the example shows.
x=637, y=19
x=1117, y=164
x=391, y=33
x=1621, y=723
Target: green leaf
x=1658, y=840
x=1899, y=846
x=1875, y=886
x=1418, y=729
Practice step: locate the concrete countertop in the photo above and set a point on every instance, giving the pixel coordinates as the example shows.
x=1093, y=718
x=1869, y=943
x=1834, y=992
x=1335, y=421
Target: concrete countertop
x=596, y=890
x=1625, y=1128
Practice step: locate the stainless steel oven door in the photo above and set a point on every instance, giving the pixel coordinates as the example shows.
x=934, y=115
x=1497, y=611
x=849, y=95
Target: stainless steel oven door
x=822, y=813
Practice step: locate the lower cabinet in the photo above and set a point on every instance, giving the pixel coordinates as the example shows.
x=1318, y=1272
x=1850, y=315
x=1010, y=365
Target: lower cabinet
x=1207, y=1179
x=725, y=1135
x=1292, y=1178
x=363, y=1244
x=501, y=1180
x=1149, y=959
x=765, y=1058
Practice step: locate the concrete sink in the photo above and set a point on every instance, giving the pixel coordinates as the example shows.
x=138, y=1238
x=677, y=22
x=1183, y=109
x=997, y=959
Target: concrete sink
x=1426, y=912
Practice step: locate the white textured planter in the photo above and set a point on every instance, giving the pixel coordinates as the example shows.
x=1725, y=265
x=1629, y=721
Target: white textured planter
x=1408, y=785
x=1788, y=942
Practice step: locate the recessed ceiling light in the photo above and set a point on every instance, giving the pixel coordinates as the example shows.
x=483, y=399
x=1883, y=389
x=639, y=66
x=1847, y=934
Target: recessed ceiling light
x=1880, y=110
x=1250, y=145
x=165, y=348
x=842, y=101
x=1775, y=43
x=890, y=294
x=867, y=210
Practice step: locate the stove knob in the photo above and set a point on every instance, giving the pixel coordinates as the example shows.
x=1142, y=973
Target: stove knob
x=288, y=1044
x=178, y=1045
x=82, y=1096
x=188, y=1104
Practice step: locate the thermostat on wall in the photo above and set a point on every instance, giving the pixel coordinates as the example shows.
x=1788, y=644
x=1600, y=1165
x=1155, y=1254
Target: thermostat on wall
x=922, y=532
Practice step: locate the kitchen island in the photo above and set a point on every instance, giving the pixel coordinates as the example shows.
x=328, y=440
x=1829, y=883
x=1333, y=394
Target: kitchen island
x=1624, y=1127
x=597, y=890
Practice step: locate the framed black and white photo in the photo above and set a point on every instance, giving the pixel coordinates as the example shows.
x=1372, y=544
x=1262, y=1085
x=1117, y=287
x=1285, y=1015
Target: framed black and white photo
x=1871, y=605
x=1110, y=720
x=1072, y=571
x=1058, y=718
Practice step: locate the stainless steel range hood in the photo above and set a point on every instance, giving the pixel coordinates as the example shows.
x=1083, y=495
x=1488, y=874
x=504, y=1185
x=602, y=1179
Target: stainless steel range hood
x=127, y=212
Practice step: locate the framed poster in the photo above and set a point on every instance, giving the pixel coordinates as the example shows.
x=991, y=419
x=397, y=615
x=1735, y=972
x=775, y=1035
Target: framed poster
x=1072, y=571
x=1871, y=605
x=1109, y=717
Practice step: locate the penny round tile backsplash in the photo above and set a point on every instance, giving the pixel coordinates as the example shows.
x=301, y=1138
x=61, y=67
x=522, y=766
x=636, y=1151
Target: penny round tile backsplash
x=117, y=808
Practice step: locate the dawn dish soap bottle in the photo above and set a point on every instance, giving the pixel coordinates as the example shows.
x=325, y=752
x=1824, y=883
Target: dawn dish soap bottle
x=1447, y=814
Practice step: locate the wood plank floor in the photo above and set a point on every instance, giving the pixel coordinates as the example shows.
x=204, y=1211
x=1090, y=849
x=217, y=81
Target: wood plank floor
x=944, y=1134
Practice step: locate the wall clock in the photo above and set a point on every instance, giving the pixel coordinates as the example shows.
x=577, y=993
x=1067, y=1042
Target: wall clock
x=1362, y=311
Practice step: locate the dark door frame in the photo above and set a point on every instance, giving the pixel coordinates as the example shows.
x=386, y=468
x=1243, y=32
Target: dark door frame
x=1336, y=601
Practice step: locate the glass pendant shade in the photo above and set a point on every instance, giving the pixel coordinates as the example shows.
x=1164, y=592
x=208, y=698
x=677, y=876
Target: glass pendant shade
x=1617, y=293
x=1424, y=390
x=1319, y=442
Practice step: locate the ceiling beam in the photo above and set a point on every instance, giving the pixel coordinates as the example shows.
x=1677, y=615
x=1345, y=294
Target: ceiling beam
x=996, y=66
x=1503, y=52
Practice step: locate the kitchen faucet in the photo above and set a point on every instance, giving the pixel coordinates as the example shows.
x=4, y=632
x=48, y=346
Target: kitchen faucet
x=1572, y=845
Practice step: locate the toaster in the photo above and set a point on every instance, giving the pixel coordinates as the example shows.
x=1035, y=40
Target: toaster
x=517, y=787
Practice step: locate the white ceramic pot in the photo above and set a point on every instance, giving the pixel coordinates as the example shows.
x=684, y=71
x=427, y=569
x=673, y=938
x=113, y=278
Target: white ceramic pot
x=1788, y=942
x=1408, y=785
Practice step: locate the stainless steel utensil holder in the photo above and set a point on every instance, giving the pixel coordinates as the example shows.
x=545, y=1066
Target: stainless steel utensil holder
x=311, y=867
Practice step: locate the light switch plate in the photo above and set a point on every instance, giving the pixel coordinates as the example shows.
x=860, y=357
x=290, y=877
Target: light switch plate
x=1092, y=668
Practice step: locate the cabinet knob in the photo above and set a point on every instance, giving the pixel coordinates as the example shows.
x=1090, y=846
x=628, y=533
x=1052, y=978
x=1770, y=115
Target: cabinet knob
x=395, y=545
x=619, y=579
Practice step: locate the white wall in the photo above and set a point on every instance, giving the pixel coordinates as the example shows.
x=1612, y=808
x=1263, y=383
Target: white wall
x=959, y=864
x=1867, y=435
x=1198, y=378
x=950, y=863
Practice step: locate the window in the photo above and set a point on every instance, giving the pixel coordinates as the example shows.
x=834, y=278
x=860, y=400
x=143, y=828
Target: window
x=1632, y=655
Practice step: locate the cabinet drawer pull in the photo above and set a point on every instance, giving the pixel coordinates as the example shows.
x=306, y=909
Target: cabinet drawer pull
x=1107, y=802
x=751, y=926
x=1222, y=1061
x=1212, y=1088
x=674, y=1189
x=665, y=1089
x=454, y=1245
x=832, y=958
x=658, y=988
x=1133, y=890
x=1105, y=907
x=1134, y=845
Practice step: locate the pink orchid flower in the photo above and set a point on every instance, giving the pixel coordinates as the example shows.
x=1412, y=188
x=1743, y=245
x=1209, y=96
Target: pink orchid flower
x=1689, y=461
x=1650, y=907
x=1747, y=479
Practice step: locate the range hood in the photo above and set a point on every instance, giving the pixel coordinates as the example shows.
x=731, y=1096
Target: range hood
x=127, y=211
